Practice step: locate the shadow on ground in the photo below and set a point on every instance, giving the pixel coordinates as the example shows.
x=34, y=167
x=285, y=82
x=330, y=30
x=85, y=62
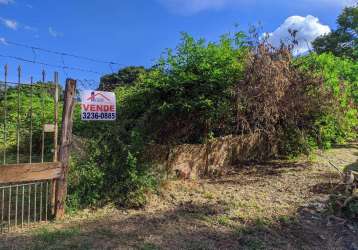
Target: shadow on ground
x=272, y=206
x=188, y=227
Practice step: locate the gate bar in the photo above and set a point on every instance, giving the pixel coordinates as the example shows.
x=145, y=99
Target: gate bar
x=25, y=172
x=31, y=114
x=18, y=117
x=5, y=114
x=43, y=118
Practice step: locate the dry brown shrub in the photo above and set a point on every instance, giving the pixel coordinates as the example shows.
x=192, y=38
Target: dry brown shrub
x=277, y=96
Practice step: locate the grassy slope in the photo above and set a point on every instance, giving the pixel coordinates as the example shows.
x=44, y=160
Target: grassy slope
x=276, y=205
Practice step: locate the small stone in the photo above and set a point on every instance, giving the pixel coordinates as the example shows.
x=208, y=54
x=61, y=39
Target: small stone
x=354, y=246
x=316, y=218
x=351, y=227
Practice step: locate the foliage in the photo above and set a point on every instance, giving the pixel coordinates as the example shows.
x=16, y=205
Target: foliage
x=211, y=89
x=189, y=94
x=124, y=77
x=339, y=74
x=110, y=170
x=184, y=97
x=86, y=179
x=341, y=78
x=280, y=101
x=344, y=40
x=42, y=103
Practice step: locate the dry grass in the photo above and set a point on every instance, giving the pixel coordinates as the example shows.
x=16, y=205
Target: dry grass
x=270, y=206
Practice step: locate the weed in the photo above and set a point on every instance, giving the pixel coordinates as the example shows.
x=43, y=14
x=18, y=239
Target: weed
x=208, y=195
x=261, y=223
x=51, y=236
x=148, y=246
x=254, y=244
x=224, y=220
x=106, y=232
x=287, y=219
x=241, y=231
x=45, y=238
x=284, y=219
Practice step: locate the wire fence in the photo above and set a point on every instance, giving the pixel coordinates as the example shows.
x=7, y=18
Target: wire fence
x=29, y=115
x=24, y=204
x=26, y=111
x=93, y=64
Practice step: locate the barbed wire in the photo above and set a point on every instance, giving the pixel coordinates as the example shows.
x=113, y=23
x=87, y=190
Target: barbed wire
x=52, y=65
x=87, y=83
x=24, y=83
x=33, y=48
x=84, y=83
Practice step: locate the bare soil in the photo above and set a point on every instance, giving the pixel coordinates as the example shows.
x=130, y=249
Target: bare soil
x=277, y=205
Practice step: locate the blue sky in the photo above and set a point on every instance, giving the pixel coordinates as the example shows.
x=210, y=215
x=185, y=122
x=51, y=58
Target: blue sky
x=136, y=32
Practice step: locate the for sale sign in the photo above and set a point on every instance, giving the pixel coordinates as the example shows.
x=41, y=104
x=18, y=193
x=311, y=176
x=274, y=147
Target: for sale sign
x=98, y=106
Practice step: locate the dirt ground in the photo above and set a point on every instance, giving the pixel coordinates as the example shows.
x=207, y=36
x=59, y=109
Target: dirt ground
x=278, y=205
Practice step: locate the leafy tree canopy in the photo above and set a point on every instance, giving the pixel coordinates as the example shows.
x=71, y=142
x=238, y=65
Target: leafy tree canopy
x=344, y=40
x=189, y=93
x=124, y=77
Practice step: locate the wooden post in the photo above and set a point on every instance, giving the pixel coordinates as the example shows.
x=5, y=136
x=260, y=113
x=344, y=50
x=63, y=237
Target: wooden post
x=66, y=139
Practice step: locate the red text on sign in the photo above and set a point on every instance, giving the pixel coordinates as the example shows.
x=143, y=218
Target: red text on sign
x=98, y=108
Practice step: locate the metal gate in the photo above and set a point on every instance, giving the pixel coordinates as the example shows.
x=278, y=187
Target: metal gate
x=30, y=164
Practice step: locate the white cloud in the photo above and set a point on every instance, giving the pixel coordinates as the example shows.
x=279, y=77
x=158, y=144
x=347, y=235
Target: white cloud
x=54, y=33
x=3, y=41
x=6, y=1
x=195, y=6
x=30, y=28
x=11, y=24
x=308, y=29
x=14, y=25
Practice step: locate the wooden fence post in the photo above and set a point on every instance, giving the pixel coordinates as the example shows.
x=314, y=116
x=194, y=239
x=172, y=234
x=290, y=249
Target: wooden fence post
x=66, y=139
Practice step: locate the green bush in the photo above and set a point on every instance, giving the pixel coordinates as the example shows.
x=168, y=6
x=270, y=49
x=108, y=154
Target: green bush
x=109, y=172
x=189, y=94
x=199, y=92
x=86, y=180
x=340, y=121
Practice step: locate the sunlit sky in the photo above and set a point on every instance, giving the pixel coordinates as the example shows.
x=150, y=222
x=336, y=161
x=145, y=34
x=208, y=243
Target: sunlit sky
x=136, y=32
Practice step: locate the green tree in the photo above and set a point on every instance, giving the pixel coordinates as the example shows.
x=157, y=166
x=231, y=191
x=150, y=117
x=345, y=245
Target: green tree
x=339, y=123
x=190, y=92
x=344, y=40
x=124, y=77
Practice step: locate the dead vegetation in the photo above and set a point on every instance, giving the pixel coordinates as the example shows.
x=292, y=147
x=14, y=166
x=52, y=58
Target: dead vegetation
x=278, y=100
x=276, y=205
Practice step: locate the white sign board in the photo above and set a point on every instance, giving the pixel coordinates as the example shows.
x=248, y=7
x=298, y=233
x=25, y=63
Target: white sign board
x=98, y=106
x=49, y=128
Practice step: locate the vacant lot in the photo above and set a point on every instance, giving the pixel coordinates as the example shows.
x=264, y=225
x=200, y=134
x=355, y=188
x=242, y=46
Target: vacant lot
x=278, y=205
